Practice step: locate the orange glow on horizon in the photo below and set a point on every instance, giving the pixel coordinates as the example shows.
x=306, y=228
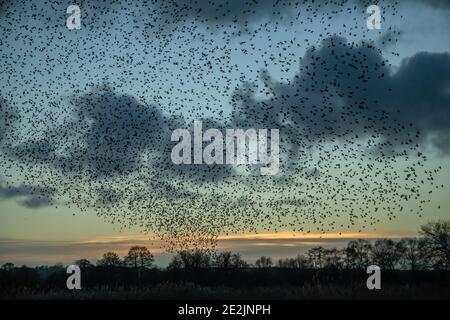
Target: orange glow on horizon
x=283, y=235
x=297, y=235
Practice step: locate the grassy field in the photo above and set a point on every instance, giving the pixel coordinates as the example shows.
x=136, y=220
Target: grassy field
x=192, y=291
x=272, y=283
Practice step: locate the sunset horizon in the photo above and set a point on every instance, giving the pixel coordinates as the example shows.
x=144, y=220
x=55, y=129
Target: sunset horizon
x=250, y=246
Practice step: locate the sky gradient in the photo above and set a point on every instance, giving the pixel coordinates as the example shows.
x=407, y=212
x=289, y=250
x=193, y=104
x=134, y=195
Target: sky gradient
x=170, y=67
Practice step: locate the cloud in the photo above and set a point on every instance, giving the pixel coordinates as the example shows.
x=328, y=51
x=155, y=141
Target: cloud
x=108, y=134
x=212, y=12
x=348, y=91
x=161, y=11
x=114, y=131
x=244, y=12
x=158, y=11
x=37, y=201
x=167, y=14
x=35, y=197
x=439, y=4
x=389, y=38
x=104, y=135
x=422, y=93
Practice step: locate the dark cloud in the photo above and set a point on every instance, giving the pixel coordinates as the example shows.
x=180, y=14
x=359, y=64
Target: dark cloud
x=389, y=38
x=33, y=197
x=37, y=201
x=196, y=172
x=155, y=11
x=348, y=90
x=236, y=11
x=104, y=136
x=247, y=11
x=167, y=14
x=422, y=93
x=108, y=134
x=116, y=130
x=439, y=4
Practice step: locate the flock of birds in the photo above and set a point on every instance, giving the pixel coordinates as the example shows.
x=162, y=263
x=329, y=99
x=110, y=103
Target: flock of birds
x=87, y=116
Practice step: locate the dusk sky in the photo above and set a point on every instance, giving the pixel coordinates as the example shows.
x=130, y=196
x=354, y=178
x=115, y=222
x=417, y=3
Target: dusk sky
x=86, y=117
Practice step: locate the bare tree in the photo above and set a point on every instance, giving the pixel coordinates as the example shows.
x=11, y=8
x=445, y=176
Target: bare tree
x=223, y=260
x=175, y=263
x=413, y=256
x=286, y=263
x=110, y=259
x=83, y=263
x=228, y=259
x=436, y=241
x=139, y=258
x=191, y=259
x=8, y=266
x=358, y=254
x=264, y=262
x=316, y=257
x=299, y=262
x=334, y=258
x=386, y=253
x=237, y=261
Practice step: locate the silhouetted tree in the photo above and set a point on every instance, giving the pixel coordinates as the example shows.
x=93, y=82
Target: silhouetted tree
x=110, y=259
x=357, y=254
x=299, y=262
x=412, y=257
x=228, y=259
x=176, y=263
x=237, y=261
x=190, y=259
x=223, y=259
x=334, y=258
x=8, y=266
x=316, y=257
x=386, y=253
x=139, y=258
x=285, y=263
x=436, y=243
x=83, y=263
x=264, y=262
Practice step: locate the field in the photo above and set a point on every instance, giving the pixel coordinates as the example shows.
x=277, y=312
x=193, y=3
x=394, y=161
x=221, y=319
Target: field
x=251, y=283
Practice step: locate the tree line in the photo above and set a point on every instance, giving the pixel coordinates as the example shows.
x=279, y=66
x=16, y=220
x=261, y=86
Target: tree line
x=430, y=251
